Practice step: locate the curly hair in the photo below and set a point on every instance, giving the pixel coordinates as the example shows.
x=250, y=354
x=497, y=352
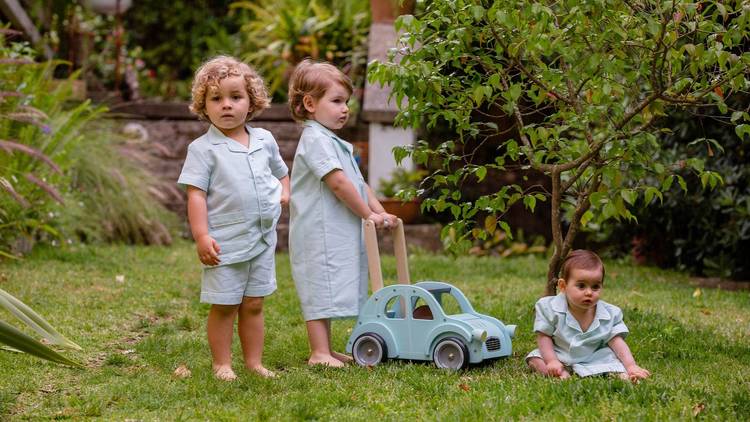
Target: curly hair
x=581, y=259
x=214, y=70
x=313, y=78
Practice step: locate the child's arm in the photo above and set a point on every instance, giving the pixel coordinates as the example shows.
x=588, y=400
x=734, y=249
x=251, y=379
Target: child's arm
x=345, y=191
x=284, y=191
x=621, y=349
x=547, y=350
x=208, y=249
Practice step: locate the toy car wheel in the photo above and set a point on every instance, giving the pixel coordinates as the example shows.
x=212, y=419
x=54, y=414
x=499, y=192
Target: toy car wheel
x=369, y=350
x=451, y=353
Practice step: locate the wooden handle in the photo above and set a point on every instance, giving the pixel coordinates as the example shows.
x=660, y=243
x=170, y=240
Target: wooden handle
x=373, y=254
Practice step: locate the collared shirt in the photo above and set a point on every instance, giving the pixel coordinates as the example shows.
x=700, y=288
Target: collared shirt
x=242, y=189
x=572, y=344
x=326, y=245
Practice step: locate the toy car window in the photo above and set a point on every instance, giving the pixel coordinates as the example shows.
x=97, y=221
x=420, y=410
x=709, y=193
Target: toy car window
x=395, y=308
x=448, y=302
x=421, y=308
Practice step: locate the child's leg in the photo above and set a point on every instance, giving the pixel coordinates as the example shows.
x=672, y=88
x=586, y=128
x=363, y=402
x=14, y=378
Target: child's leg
x=252, y=334
x=340, y=356
x=219, y=328
x=318, y=333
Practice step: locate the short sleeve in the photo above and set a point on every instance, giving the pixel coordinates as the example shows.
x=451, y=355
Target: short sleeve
x=618, y=326
x=320, y=155
x=544, y=317
x=195, y=171
x=276, y=163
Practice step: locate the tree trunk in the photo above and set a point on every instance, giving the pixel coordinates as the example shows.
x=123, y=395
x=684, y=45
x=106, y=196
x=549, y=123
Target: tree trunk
x=552, y=274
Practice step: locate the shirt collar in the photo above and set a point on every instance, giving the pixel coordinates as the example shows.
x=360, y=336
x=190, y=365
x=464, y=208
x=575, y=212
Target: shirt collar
x=316, y=125
x=216, y=137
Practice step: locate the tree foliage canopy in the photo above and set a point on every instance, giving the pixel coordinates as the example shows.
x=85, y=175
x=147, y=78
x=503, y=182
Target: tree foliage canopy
x=585, y=85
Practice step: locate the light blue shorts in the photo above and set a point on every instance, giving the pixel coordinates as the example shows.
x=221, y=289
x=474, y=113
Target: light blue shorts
x=228, y=284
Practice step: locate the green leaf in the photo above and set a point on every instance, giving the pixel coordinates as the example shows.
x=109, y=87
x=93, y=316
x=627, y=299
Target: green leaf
x=481, y=173
x=18, y=340
x=629, y=195
x=34, y=320
x=506, y=229
x=477, y=12
x=586, y=217
x=682, y=183
x=742, y=130
x=529, y=202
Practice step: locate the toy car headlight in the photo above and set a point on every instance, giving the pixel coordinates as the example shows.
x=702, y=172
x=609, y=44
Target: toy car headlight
x=478, y=334
x=511, y=330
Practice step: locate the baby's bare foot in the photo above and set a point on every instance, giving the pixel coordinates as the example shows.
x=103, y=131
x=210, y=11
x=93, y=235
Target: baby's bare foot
x=326, y=360
x=224, y=373
x=262, y=371
x=564, y=375
x=342, y=357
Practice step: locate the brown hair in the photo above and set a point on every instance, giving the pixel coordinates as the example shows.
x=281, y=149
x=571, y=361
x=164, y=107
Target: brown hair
x=581, y=259
x=313, y=78
x=213, y=71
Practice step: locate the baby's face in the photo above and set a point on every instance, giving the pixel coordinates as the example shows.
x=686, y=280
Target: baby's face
x=582, y=288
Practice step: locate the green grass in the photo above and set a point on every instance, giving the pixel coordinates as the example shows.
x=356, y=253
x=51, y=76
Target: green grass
x=137, y=332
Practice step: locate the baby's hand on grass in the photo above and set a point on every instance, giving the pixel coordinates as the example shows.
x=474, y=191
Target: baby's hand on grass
x=555, y=369
x=208, y=250
x=636, y=373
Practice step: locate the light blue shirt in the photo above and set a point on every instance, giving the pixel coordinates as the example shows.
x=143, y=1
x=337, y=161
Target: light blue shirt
x=587, y=352
x=242, y=190
x=326, y=244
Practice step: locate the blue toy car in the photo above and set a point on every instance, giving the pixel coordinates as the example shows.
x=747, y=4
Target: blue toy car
x=403, y=321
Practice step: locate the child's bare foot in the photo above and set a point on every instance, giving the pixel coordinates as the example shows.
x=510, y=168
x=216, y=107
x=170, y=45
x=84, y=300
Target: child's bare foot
x=564, y=374
x=262, y=371
x=224, y=373
x=342, y=357
x=326, y=360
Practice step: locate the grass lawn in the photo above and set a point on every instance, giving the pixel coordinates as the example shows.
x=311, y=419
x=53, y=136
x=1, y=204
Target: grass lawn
x=136, y=332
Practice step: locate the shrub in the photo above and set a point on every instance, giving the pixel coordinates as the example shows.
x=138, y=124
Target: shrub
x=279, y=34
x=60, y=174
x=704, y=232
x=38, y=134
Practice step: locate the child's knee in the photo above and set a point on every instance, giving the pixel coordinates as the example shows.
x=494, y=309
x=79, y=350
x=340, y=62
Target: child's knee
x=252, y=305
x=224, y=310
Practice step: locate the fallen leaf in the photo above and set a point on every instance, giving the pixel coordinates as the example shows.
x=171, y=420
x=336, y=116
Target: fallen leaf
x=705, y=311
x=182, y=372
x=697, y=293
x=464, y=387
x=698, y=408
x=120, y=278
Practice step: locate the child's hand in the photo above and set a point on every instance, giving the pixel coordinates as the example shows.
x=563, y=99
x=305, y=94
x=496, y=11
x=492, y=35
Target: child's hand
x=555, y=369
x=636, y=373
x=389, y=220
x=377, y=219
x=284, y=201
x=208, y=250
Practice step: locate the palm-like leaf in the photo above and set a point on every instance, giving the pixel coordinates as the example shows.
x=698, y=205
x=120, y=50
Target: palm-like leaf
x=18, y=340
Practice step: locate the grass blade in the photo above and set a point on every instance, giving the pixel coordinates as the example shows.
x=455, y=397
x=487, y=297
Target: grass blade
x=18, y=340
x=35, y=321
